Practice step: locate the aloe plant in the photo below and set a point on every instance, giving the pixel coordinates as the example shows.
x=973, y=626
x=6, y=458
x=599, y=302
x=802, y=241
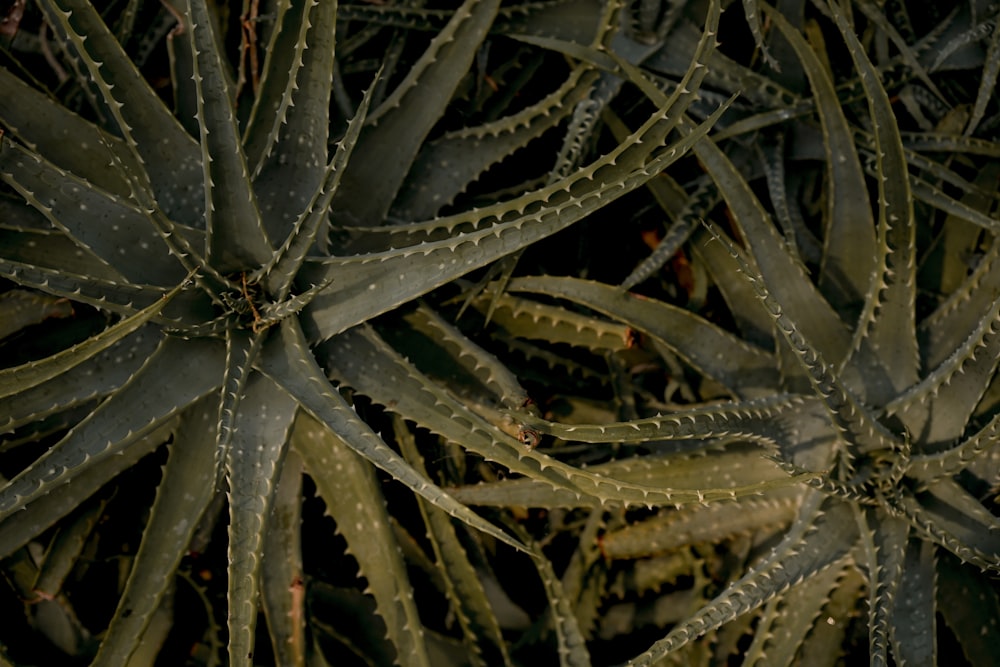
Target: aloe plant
x=905, y=493
x=303, y=241
x=211, y=250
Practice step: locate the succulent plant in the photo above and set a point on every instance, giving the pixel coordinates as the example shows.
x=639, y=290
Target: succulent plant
x=271, y=298
x=211, y=249
x=893, y=409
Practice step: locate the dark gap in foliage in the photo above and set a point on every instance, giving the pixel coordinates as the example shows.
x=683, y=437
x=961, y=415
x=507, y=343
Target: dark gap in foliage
x=54, y=333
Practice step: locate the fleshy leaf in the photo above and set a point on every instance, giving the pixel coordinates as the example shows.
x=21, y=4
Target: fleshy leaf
x=183, y=495
x=22, y=378
x=292, y=367
x=158, y=390
x=400, y=124
x=263, y=422
x=235, y=236
x=347, y=484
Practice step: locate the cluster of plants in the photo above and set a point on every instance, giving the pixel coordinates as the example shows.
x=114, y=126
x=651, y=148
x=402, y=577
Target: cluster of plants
x=572, y=332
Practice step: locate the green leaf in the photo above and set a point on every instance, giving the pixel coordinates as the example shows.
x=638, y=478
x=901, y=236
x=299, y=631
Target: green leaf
x=527, y=319
x=19, y=379
x=282, y=578
x=752, y=321
x=686, y=212
x=62, y=136
x=913, y=625
x=281, y=270
x=40, y=514
x=88, y=381
x=745, y=370
x=893, y=291
x=751, y=12
x=400, y=125
x=183, y=495
x=287, y=360
x=348, y=486
x=185, y=93
x=235, y=238
x=572, y=646
x=66, y=548
x=40, y=245
x=410, y=272
x=486, y=368
x=736, y=465
x=854, y=419
x=445, y=167
x=938, y=408
x=152, y=135
x=106, y=224
x=253, y=462
x=399, y=386
x=809, y=548
x=242, y=350
x=116, y=296
x=362, y=360
x=794, y=626
x=934, y=466
x=702, y=524
x=950, y=516
x=970, y=606
x=284, y=59
x=161, y=388
x=849, y=242
x=300, y=56
x=825, y=644
x=465, y=591
x=791, y=287
x=907, y=53
x=958, y=316
x=883, y=538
